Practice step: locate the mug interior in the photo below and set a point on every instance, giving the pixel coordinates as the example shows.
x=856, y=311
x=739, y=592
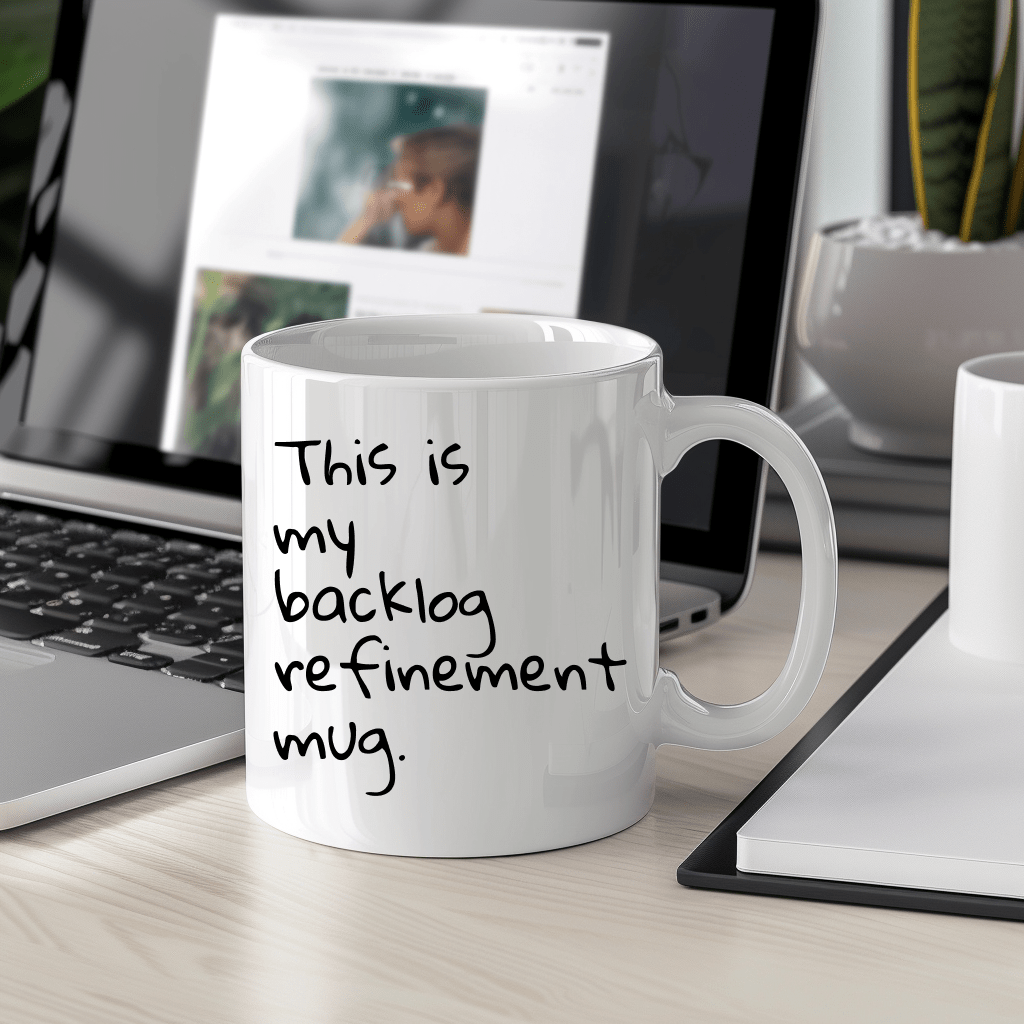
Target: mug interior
x=482, y=345
x=1004, y=367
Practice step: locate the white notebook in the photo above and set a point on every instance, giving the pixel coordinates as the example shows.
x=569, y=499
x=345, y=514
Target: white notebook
x=922, y=785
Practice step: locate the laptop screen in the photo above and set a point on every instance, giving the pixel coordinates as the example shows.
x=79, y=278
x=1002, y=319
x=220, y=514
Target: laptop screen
x=233, y=168
x=357, y=168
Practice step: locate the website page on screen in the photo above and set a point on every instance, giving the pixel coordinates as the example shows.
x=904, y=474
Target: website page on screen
x=229, y=174
x=354, y=168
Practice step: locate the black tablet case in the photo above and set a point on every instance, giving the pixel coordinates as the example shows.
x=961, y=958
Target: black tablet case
x=712, y=865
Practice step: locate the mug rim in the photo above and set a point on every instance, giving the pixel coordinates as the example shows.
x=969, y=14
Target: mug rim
x=977, y=366
x=649, y=352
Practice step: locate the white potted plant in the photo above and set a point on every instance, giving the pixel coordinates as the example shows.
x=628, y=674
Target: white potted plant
x=890, y=306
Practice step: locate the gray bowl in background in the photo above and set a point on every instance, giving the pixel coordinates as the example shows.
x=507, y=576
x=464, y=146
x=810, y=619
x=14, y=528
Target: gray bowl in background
x=887, y=328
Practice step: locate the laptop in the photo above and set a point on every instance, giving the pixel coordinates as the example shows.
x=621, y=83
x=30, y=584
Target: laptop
x=209, y=171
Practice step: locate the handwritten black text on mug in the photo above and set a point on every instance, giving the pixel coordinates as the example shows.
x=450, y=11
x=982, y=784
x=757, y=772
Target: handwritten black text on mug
x=388, y=600
x=355, y=471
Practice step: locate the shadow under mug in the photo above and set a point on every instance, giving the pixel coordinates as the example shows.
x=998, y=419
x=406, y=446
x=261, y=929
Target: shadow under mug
x=451, y=529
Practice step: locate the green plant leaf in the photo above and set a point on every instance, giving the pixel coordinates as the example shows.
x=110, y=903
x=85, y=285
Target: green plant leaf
x=984, y=214
x=949, y=73
x=1014, y=203
x=1015, y=200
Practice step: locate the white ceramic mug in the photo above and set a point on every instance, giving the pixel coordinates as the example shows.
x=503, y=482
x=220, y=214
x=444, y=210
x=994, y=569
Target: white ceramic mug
x=451, y=577
x=986, y=525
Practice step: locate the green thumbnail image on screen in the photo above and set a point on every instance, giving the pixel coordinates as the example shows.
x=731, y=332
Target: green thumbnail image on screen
x=228, y=309
x=26, y=39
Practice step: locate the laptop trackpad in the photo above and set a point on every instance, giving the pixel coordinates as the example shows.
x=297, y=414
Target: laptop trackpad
x=18, y=657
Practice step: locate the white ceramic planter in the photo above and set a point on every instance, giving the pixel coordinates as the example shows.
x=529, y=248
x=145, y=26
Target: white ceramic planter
x=887, y=329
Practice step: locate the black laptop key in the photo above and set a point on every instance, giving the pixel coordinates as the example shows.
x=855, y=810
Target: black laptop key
x=211, y=615
x=89, y=641
x=83, y=531
x=42, y=544
x=13, y=560
x=51, y=581
x=230, y=609
x=71, y=571
x=133, y=540
x=11, y=533
x=133, y=573
x=58, y=538
x=204, y=572
x=95, y=548
x=229, y=604
x=126, y=620
x=101, y=593
x=23, y=598
x=152, y=604
x=228, y=643
x=41, y=603
x=197, y=669
x=235, y=681
x=144, y=559
x=186, y=588
x=17, y=624
x=229, y=556
x=231, y=594
x=83, y=562
x=181, y=634
x=193, y=549
x=231, y=660
x=64, y=610
x=139, y=659
x=38, y=521
x=41, y=552
x=167, y=560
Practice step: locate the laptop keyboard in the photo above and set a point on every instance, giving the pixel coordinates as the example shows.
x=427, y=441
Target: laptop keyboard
x=147, y=599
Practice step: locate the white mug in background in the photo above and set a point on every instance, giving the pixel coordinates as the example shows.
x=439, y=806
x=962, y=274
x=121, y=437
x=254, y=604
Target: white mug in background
x=451, y=530
x=986, y=524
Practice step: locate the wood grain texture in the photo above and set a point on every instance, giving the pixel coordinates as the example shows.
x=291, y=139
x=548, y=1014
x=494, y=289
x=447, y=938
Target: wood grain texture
x=177, y=904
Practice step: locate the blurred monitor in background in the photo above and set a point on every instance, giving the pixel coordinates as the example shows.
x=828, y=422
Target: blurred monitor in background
x=233, y=167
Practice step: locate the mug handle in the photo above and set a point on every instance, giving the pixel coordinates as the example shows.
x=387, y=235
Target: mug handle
x=673, y=427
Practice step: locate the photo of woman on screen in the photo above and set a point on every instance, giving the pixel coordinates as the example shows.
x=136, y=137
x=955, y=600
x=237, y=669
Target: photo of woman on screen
x=430, y=186
x=389, y=165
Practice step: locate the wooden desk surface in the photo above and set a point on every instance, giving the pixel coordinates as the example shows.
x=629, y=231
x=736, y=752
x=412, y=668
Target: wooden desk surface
x=176, y=904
